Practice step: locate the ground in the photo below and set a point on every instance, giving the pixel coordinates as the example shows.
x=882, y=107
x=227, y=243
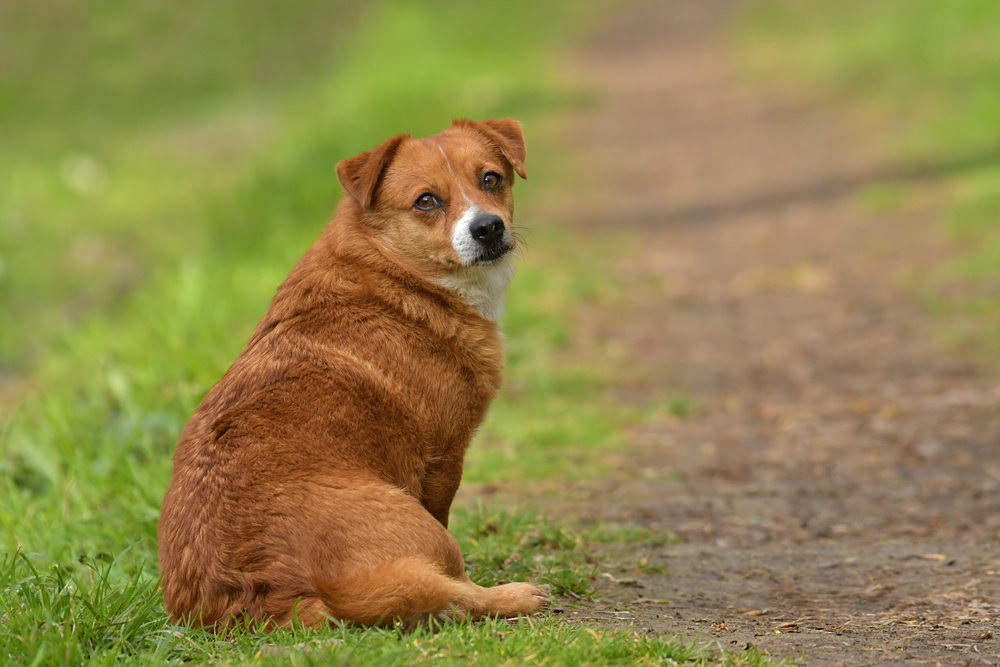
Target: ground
x=836, y=488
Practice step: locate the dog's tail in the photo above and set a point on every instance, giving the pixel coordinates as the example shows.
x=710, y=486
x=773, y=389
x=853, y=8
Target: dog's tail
x=402, y=589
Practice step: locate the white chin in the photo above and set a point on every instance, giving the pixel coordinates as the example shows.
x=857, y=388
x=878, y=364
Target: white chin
x=483, y=285
x=489, y=261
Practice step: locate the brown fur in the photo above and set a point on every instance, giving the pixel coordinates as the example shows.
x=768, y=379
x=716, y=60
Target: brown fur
x=316, y=476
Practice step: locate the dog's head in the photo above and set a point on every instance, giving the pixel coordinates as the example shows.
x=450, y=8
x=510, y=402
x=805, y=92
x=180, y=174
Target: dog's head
x=441, y=205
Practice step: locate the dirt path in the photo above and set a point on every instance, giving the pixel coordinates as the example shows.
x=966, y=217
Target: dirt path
x=837, y=493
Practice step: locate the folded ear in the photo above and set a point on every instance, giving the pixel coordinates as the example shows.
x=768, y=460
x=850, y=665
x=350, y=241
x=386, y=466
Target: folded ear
x=506, y=134
x=360, y=174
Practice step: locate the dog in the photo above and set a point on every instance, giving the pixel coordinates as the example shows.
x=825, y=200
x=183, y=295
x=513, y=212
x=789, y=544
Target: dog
x=315, y=479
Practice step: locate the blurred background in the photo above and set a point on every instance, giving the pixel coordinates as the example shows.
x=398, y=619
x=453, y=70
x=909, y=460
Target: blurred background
x=764, y=236
x=162, y=166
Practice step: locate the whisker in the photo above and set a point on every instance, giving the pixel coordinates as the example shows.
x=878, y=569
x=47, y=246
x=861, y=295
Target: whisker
x=526, y=230
x=521, y=242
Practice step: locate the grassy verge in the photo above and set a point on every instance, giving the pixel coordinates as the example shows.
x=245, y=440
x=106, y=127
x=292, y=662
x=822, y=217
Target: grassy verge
x=104, y=610
x=118, y=131
x=931, y=67
x=64, y=615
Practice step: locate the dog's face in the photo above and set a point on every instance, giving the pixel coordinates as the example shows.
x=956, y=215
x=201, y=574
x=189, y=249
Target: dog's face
x=443, y=204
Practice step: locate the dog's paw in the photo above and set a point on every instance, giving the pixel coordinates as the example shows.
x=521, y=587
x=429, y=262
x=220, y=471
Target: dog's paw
x=533, y=598
x=542, y=595
x=513, y=600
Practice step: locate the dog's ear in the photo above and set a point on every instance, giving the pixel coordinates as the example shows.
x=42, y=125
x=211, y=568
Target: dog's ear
x=360, y=174
x=506, y=134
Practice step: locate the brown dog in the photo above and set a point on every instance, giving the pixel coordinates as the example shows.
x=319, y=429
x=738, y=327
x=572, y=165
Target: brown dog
x=315, y=478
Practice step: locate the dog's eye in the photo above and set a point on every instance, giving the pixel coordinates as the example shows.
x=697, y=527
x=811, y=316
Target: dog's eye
x=427, y=201
x=491, y=180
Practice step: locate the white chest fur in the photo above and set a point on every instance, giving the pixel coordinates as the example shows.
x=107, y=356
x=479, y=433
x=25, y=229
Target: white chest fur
x=482, y=287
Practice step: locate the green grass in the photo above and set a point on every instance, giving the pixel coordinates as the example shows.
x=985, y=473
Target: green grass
x=77, y=613
x=931, y=67
x=162, y=168
x=502, y=546
x=931, y=64
x=119, y=119
x=103, y=610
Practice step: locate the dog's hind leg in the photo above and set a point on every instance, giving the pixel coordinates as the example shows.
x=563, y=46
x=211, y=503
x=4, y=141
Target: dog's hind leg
x=506, y=600
x=382, y=557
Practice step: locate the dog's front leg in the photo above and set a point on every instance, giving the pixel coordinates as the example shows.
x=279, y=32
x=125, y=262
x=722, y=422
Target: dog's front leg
x=440, y=485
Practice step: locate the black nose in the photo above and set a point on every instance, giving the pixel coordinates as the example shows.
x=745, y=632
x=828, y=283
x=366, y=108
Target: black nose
x=487, y=228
